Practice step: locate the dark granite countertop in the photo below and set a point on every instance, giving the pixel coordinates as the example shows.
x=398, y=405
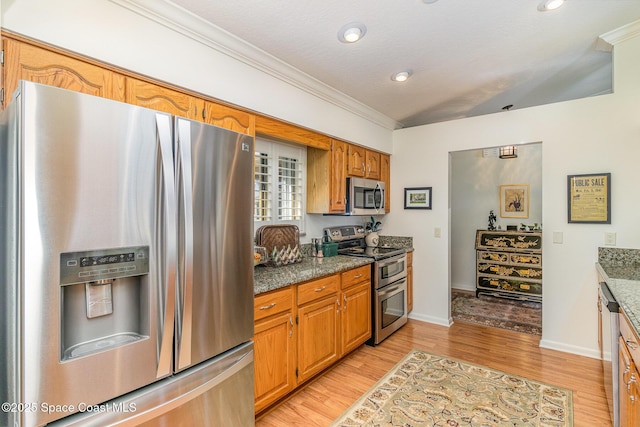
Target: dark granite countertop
x=620, y=269
x=624, y=283
x=270, y=278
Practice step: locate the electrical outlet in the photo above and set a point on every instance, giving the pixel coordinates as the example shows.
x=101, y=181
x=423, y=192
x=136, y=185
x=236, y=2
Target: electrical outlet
x=557, y=237
x=610, y=239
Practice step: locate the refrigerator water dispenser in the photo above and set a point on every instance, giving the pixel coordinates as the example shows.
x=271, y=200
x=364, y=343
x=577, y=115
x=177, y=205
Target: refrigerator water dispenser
x=104, y=299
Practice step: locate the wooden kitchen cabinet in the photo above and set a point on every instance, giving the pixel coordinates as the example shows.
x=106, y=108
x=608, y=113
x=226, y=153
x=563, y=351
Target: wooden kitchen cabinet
x=355, y=317
x=229, y=118
x=24, y=61
x=372, y=165
x=385, y=176
x=318, y=306
x=409, y=281
x=628, y=375
x=363, y=163
x=302, y=329
x=357, y=160
x=327, y=178
x=274, y=346
x=149, y=95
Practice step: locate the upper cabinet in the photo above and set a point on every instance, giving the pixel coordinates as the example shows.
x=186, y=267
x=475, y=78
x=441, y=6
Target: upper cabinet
x=229, y=118
x=327, y=178
x=363, y=163
x=356, y=160
x=385, y=176
x=159, y=98
x=24, y=61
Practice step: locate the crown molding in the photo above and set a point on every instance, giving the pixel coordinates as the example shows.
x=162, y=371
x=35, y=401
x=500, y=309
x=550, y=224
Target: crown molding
x=607, y=41
x=186, y=23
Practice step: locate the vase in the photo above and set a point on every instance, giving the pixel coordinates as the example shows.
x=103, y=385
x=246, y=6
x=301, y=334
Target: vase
x=371, y=239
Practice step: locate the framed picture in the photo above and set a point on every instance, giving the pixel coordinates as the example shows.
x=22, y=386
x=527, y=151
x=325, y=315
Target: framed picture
x=589, y=198
x=417, y=198
x=514, y=201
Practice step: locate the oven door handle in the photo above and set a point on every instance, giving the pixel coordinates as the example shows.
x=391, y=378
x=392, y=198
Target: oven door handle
x=391, y=289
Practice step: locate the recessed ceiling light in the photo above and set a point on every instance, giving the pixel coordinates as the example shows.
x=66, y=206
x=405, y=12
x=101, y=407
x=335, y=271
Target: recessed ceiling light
x=401, y=76
x=352, y=32
x=550, y=5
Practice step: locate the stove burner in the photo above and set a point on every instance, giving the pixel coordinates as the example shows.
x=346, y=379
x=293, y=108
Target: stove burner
x=372, y=252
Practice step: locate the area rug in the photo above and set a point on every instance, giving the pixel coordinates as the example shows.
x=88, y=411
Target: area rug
x=429, y=390
x=521, y=316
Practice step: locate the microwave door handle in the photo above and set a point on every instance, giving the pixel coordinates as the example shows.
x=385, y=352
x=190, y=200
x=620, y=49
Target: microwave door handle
x=381, y=207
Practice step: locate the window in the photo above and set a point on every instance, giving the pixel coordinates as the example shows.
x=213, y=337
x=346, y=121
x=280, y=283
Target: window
x=279, y=184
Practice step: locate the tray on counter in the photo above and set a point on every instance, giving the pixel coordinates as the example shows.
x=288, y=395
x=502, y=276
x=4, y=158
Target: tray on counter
x=282, y=243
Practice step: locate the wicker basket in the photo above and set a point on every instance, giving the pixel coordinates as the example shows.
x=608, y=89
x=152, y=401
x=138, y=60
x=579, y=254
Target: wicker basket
x=280, y=237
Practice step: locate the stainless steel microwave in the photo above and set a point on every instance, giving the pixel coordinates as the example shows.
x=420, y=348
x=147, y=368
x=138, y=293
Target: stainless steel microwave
x=365, y=197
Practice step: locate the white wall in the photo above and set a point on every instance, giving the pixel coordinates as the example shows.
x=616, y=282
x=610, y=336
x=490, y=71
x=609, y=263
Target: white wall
x=593, y=135
x=475, y=190
x=108, y=32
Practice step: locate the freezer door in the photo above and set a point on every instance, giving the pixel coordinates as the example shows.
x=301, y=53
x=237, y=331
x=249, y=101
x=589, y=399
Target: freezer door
x=214, y=172
x=93, y=194
x=218, y=392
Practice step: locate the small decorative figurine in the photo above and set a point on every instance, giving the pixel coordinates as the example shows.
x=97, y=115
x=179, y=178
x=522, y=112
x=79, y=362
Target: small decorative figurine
x=492, y=220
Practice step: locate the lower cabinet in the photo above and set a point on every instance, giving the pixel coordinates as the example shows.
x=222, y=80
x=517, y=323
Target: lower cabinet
x=303, y=329
x=628, y=376
x=274, y=347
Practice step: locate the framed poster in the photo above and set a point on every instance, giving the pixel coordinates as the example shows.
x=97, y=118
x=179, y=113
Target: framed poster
x=417, y=198
x=589, y=198
x=514, y=201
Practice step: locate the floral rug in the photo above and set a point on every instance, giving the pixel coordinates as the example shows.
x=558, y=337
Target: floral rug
x=521, y=316
x=429, y=390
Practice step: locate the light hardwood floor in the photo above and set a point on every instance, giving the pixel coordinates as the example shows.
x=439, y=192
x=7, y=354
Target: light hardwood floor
x=325, y=398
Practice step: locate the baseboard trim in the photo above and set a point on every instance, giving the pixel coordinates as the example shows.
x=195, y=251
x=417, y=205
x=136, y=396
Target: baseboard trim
x=567, y=348
x=431, y=319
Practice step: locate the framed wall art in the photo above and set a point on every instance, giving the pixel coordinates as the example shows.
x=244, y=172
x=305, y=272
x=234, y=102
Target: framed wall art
x=417, y=198
x=514, y=201
x=589, y=198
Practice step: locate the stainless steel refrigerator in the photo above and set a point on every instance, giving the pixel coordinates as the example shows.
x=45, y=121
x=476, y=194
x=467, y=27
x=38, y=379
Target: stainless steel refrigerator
x=126, y=265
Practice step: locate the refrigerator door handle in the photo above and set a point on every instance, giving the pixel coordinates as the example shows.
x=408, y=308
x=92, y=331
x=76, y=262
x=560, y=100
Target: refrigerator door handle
x=167, y=246
x=185, y=276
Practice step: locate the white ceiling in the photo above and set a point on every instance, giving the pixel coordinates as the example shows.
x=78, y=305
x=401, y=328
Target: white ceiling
x=468, y=57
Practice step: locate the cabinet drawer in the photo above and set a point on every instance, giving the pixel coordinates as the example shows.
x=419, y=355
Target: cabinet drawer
x=512, y=285
x=493, y=256
x=270, y=303
x=355, y=276
x=516, y=271
x=630, y=338
x=318, y=289
x=529, y=259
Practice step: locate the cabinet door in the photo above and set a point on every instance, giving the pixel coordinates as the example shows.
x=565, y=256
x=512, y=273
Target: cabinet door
x=338, y=180
x=26, y=62
x=356, y=317
x=162, y=99
x=409, y=282
x=625, y=370
x=385, y=176
x=274, y=359
x=372, y=164
x=356, y=160
x=317, y=336
x=229, y=118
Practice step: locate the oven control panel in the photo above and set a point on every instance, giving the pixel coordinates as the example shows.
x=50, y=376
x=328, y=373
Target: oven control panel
x=348, y=232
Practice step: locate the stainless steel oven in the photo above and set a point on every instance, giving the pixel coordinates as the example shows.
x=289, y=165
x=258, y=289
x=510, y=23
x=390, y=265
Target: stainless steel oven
x=389, y=285
x=389, y=296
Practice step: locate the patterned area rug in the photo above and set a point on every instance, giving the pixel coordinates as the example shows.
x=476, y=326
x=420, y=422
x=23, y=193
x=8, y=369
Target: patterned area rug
x=521, y=316
x=429, y=390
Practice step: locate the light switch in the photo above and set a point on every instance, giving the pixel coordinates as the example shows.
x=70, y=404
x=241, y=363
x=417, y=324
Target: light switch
x=557, y=237
x=437, y=232
x=610, y=239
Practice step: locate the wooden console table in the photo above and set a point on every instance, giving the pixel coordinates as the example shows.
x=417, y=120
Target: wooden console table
x=509, y=264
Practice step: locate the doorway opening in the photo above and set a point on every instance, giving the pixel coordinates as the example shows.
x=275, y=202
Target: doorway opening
x=478, y=177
